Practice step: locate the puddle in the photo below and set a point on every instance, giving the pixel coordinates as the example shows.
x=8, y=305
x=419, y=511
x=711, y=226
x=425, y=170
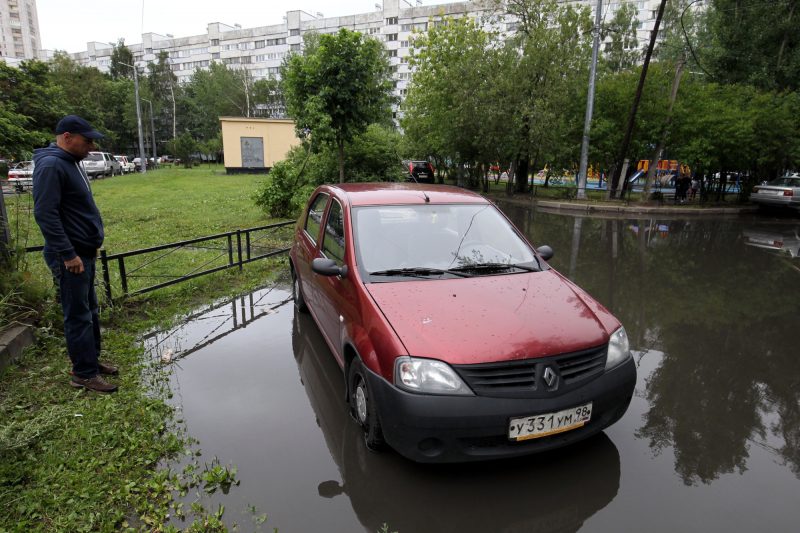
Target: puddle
x=709, y=443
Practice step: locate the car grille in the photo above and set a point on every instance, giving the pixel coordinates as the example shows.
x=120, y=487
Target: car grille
x=523, y=378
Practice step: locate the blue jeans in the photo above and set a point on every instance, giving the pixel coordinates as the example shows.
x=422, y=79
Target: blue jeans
x=81, y=319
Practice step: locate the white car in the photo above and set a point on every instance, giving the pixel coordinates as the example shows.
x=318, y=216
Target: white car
x=98, y=164
x=780, y=192
x=125, y=165
x=20, y=176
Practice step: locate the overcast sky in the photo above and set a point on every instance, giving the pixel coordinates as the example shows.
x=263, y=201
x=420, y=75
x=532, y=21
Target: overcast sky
x=68, y=25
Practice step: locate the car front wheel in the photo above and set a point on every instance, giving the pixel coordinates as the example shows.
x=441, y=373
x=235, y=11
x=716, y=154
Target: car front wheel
x=297, y=294
x=362, y=406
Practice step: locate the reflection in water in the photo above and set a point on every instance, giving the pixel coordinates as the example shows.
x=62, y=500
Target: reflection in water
x=555, y=491
x=209, y=324
x=721, y=311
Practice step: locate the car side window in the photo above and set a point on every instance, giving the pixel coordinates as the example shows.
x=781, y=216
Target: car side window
x=333, y=245
x=314, y=216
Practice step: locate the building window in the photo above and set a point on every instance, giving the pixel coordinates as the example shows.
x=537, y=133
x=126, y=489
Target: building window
x=406, y=27
x=391, y=37
x=215, y=55
x=295, y=47
x=421, y=26
x=391, y=20
x=214, y=42
x=294, y=32
x=260, y=44
x=246, y=60
x=391, y=53
x=405, y=44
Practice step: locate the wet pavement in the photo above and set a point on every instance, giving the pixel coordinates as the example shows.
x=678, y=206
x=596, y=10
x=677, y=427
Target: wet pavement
x=711, y=441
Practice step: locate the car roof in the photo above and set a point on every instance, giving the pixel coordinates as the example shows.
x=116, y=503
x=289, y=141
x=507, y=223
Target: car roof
x=361, y=194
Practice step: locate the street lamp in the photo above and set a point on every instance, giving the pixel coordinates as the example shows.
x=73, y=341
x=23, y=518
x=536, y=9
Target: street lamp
x=153, y=131
x=142, y=156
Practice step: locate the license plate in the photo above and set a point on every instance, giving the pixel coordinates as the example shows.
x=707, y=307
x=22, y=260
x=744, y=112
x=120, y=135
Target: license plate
x=535, y=426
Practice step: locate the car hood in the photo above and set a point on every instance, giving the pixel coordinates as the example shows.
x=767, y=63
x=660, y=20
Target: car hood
x=493, y=318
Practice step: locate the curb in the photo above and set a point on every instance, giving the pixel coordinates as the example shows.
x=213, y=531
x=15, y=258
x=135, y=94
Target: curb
x=12, y=342
x=624, y=209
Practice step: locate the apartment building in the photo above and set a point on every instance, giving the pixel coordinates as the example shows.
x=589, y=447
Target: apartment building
x=261, y=50
x=19, y=31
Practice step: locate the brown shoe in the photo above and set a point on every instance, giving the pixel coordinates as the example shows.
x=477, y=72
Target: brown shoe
x=95, y=383
x=108, y=370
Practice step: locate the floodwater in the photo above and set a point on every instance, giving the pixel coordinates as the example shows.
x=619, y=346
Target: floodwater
x=711, y=441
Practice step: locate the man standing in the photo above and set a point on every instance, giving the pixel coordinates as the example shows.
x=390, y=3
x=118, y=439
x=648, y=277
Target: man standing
x=73, y=231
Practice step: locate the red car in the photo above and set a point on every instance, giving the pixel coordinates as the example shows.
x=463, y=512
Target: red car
x=458, y=342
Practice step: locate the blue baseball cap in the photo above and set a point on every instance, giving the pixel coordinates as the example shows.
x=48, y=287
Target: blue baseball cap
x=75, y=124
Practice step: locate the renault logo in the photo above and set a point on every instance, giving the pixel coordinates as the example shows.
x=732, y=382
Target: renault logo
x=550, y=377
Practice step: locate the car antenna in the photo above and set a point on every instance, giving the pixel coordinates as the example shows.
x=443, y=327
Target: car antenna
x=427, y=200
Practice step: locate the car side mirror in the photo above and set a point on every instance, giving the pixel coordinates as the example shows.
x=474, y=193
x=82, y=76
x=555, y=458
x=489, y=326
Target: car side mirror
x=328, y=267
x=545, y=251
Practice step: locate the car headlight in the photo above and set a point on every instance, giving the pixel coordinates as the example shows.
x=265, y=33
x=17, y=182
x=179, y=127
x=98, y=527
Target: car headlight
x=428, y=376
x=619, y=348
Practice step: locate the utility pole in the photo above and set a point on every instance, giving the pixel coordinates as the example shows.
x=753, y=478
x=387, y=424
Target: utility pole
x=632, y=117
x=153, y=131
x=587, y=123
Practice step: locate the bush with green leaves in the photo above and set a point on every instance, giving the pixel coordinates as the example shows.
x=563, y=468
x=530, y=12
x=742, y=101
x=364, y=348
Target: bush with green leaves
x=372, y=156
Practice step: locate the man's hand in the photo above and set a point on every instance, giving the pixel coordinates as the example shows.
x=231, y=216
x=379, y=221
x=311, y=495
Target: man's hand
x=74, y=265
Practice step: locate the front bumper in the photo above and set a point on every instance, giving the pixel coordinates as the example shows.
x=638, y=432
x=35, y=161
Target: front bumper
x=428, y=428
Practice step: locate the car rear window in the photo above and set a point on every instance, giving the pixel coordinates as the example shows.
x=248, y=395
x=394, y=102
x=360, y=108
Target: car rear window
x=94, y=157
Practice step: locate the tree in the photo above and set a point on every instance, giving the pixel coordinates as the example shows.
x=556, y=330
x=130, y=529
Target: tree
x=454, y=73
x=621, y=52
x=213, y=93
x=106, y=103
x=337, y=87
x=163, y=86
x=183, y=147
x=756, y=43
x=121, y=61
x=553, y=45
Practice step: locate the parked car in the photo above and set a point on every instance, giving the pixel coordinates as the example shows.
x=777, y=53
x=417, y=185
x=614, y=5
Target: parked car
x=457, y=340
x=20, y=176
x=125, y=165
x=780, y=192
x=99, y=164
x=421, y=172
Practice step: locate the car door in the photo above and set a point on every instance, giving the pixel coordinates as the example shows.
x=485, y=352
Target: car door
x=307, y=248
x=336, y=299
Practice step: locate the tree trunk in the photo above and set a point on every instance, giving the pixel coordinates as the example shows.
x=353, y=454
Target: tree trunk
x=521, y=174
x=340, y=142
x=651, y=171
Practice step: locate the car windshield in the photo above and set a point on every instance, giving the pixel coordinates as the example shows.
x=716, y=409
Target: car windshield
x=791, y=180
x=430, y=237
x=94, y=157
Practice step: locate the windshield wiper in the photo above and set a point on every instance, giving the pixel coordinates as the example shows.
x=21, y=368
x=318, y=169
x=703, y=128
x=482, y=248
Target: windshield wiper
x=417, y=272
x=494, y=267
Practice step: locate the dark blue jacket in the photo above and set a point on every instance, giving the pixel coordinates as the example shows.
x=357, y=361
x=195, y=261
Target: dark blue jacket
x=63, y=204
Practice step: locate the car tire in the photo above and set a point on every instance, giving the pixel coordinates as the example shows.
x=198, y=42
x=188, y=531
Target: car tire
x=297, y=294
x=362, y=406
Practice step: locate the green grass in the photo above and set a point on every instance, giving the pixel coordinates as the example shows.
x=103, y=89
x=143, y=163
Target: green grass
x=77, y=461
x=163, y=206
